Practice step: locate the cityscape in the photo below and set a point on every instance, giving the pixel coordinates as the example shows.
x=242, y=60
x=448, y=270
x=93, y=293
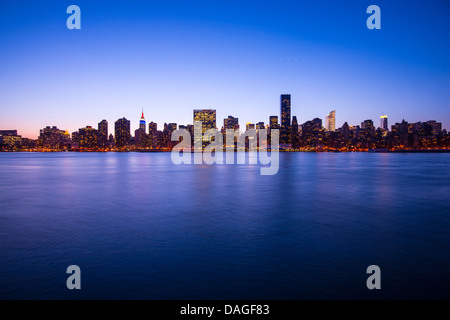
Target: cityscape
x=217, y=154
x=313, y=135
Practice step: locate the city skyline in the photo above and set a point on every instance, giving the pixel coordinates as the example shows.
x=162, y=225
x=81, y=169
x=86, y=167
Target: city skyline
x=311, y=135
x=110, y=127
x=170, y=58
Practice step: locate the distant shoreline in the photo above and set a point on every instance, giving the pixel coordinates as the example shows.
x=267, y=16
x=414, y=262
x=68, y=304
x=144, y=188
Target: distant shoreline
x=286, y=151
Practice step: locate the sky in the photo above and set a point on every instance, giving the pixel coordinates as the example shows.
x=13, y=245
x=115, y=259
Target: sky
x=170, y=57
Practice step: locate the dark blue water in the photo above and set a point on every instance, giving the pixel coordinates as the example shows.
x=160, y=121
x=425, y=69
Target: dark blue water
x=141, y=227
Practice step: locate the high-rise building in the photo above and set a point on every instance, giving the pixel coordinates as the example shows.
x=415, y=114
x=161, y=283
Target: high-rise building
x=53, y=138
x=152, y=127
x=366, y=124
x=249, y=126
x=294, y=133
x=88, y=138
x=273, y=122
x=285, y=110
x=384, y=122
x=285, y=136
x=330, y=121
x=103, y=134
x=10, y=138
x=231, y=123
x=208, y=119
x=122, y=133
x=436, y=127
x=171, y=127
x=142, y=122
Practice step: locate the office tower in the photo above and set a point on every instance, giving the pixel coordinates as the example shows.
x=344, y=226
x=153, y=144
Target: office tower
x=285, y=110
x=345, y=131
x=436, y=127
x=152, y=127
x=403, y=133
x=273, y=122
x=122, y=133
x=294, y=133
x=231, y=123
x=142, y=122
x=208, y=119
x=88, y=138
x=259, y=125
x=75, y=137
x=10, y=138
x=285, y=136
x=384, y=122
x=249, y=125
x=53, y=138
x=171, y=127
x=330, y=121
x=367, y=124
x=102, y=134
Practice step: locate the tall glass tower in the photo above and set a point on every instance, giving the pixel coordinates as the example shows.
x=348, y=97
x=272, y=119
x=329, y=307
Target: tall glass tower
x=384, y=122
x=285, y=110
x=330, y=121
x=285, y=135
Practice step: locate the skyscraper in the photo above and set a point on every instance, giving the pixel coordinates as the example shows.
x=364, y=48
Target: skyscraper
x=208, y=119
x=88, y=138
x=273, y=122
x=152, y=127
x=231, y=123
x=367, y=124
x=285, y=110
x=384, y=122
x=330, y=121
x=142, y=122
x=103, y=134
x=140, y=136
x=285, y=136
x=249, y=126
x=122, y=132
x=294, y=133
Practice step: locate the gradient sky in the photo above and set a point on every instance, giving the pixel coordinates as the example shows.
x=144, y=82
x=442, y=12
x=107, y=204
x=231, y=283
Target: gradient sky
x=170, y=57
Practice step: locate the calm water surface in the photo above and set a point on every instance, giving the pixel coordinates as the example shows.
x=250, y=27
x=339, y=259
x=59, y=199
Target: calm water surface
x=141, y=227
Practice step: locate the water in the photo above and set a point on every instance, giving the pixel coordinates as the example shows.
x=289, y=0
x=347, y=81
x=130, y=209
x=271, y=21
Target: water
x=141, y=227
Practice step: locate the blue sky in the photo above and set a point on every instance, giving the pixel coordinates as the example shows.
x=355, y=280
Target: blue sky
x=237, y=57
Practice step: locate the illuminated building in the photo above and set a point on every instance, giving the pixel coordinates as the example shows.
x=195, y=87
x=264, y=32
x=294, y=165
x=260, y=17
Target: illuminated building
x=436, y=127
x=122, y=132
x=10, y=138
x=259, y=125
x=53, y=138
x=152, y=127
x=171, y=127
x=273, y=122
x=103, y=134
x=367, y=124
x=384, y=122
x=330, y=121
x=208, y=119
x=142, y=122
x=285, y=118
x=231, y=123
x=88, y=138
